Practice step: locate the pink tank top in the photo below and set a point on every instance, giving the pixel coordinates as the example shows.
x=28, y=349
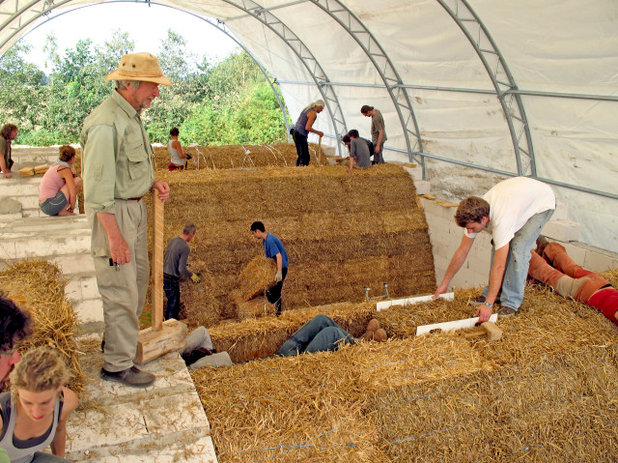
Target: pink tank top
x=50, y=183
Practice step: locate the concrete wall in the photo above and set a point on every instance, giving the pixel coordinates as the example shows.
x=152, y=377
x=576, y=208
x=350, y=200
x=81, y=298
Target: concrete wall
x=445, y=236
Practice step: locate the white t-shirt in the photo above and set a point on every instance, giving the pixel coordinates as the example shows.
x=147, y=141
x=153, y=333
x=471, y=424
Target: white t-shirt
x=511, y=203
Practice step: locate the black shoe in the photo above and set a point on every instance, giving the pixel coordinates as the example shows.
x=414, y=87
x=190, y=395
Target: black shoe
x=195, y=355
x=478, y=300
x=133, y=377
x=103, y=345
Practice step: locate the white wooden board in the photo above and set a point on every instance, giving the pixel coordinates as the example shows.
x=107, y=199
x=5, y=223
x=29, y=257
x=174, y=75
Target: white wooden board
x=453, y=325
x=411, y=300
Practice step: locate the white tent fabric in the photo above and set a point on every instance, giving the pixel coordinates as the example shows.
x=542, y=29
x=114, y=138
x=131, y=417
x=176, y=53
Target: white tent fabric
x=562, y=54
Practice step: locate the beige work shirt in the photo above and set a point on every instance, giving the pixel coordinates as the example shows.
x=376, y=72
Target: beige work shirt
x=116, y=161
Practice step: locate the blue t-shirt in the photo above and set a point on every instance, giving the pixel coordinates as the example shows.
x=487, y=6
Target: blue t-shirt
x=272, y=247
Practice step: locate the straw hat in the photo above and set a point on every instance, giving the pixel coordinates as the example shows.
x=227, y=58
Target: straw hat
x=139, y=66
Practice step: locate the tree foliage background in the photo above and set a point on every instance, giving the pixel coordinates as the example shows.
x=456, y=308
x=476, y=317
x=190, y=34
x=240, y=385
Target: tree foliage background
x=229, y=102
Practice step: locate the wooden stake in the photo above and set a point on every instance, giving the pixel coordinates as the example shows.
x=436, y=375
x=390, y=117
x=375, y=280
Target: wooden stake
x=157, y=263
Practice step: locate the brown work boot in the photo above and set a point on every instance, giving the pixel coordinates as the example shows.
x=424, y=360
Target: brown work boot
x=541, y=242
x=380, y=335
x=505, y=311
x=133, y=377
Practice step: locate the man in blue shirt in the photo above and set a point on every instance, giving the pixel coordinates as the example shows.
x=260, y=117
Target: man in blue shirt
x=273, y=249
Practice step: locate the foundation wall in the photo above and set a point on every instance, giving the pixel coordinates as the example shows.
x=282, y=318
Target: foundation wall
x=445, y=237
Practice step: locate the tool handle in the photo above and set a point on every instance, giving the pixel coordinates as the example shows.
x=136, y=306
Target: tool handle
x=157, y=262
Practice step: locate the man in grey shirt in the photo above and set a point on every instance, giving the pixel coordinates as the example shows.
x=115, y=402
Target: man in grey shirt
x=359, y=151
x=175, y=269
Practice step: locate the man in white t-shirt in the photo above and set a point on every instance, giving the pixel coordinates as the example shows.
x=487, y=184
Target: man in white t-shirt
x=514, y=212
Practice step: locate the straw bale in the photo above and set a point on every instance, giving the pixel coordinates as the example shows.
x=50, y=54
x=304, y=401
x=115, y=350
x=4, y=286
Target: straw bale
x=199, y=303
x=257, y=338
x=254, y=308
x=27, y=171
x=38, y=287
x=341, y=232
x=239, y=156
x=544, y=392
x=41, y=169
x=256, y=277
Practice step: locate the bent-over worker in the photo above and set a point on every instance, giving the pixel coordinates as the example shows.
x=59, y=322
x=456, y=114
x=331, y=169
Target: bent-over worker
x=175, y=269
x=514, y=211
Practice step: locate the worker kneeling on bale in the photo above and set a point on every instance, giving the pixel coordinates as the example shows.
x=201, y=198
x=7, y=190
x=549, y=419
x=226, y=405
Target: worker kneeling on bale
x=321, y=333
x=175, y=269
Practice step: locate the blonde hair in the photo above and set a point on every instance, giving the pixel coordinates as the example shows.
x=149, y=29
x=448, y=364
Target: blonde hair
x=315, y=104
x=40, y=369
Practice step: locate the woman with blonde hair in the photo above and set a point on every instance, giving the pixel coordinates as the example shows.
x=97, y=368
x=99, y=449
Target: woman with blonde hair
x=60, y=185
x=34, y=414
x=301, y=130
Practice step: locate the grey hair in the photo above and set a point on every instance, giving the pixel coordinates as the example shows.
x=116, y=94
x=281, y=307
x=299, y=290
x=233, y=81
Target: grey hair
x=123, y=84
x=189, y=228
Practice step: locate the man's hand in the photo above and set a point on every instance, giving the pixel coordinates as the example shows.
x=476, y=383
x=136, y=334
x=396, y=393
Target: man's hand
x=483, y=312
x=120, y=250
x=441, y=290
x=164, y=190
x=195, y=278
x=278, y=276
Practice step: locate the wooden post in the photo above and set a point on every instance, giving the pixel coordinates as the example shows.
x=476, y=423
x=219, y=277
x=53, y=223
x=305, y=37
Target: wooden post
x=157, y=262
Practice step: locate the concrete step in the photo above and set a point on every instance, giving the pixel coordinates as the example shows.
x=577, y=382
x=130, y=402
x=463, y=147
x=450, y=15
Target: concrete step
x=18, y=186
x=164, y=422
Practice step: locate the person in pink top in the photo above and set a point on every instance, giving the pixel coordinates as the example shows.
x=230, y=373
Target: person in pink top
x=15, y=325
x=60, y=185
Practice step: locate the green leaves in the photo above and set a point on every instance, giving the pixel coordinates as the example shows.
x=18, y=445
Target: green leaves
x=225, y=103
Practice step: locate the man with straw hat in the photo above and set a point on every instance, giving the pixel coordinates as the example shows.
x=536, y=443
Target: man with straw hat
x=117, y=172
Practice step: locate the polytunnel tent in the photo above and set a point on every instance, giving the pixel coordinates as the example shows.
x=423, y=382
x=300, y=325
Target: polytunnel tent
x=473, y=91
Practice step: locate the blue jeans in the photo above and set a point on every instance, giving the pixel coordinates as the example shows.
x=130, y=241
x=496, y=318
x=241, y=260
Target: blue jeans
x=319, y=334
x=171, y=286
x=518, y=260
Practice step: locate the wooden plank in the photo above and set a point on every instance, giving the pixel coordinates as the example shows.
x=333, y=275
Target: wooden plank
x=453, y=325
x=152, y=344
x=411, y=300
x=157, y=262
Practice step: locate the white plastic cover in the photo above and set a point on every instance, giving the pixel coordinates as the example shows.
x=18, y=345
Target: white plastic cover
x=563, y=46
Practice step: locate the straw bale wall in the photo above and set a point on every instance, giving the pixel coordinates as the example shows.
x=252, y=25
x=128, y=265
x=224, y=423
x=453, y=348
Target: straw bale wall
x=239, y=156
x=342, y=232
x=38, y=287
x=545, y=392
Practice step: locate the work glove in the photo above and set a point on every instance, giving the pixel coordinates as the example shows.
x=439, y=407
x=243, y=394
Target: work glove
x=195, y=278
x=278, y=276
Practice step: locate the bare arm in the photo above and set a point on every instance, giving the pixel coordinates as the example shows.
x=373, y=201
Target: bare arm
x=495, y=282
x=459, y=257
x=58, y=445
x=67, y=175
x=3, y=166
x=279, y=260
x=310, y=120
x=376, y=148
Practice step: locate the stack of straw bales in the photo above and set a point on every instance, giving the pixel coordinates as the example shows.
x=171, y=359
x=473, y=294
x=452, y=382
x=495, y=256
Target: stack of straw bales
x=248, y=298
x=37, y=286
x=545, y=392
x=342, y=232
x=239, y=156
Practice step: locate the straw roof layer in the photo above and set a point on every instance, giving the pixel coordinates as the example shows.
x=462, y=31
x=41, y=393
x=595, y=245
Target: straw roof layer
x=545, y=392
x=38, y=287
x=342, y=232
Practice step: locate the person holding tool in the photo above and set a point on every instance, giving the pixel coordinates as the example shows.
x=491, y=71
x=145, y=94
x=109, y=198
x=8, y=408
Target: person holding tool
x=274, y=249
x=301, y=130
x=514, y=211
x=118, y=172
x=175, y=268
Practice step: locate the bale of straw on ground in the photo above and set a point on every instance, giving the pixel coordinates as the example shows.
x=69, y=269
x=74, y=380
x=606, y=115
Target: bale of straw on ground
x=38, y=287
x=545, y=392
x=254, y=308
x=341, y=231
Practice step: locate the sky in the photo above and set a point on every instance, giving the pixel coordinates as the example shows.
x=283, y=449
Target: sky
x=147, y=26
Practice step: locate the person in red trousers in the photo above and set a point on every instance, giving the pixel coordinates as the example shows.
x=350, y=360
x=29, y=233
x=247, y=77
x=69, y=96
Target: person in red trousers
x=551, y=265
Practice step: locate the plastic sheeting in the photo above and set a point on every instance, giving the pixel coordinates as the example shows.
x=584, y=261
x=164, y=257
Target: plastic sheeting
x=562, y=46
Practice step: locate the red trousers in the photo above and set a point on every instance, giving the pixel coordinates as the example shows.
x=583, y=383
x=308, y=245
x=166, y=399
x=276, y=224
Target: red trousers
x=571, y=280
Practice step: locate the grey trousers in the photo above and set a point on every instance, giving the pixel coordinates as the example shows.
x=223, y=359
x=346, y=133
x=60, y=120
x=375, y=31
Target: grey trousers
x=123, y=290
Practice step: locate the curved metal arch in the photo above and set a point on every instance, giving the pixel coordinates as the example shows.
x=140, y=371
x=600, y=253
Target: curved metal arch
x=511, y=102
x=385, y=68
x=218, y=24
x=304, y=55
